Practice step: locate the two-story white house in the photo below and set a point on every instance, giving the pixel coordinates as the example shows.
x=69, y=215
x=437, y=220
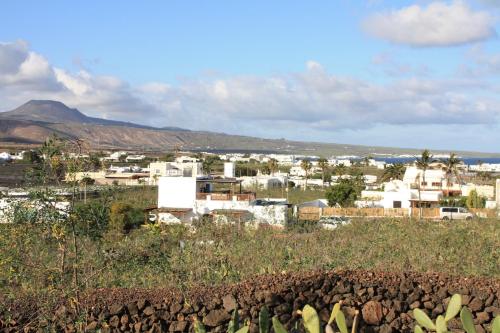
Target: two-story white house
x=185, y=199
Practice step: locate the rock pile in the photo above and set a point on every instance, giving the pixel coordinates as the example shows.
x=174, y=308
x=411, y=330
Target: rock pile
x=385, y=302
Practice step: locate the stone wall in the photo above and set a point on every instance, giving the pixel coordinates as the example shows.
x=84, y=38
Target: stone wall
x=385, y=302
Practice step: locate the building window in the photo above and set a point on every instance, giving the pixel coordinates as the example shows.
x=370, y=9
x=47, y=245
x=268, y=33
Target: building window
x=424, y=183
x=436, y=184
x=396, y=204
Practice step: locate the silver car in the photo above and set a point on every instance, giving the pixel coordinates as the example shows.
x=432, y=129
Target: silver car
x=455, y=213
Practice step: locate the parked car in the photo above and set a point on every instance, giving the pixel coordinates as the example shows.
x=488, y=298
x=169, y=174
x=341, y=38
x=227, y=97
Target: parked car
x=455, y=213
x=332, y=222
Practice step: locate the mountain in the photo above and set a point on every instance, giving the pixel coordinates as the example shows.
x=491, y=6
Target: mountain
x=34, y=121
x=45, y=111
x=48, y=111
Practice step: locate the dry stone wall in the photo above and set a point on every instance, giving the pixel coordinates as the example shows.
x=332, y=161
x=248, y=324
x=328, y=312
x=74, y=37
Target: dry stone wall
x=385, y=302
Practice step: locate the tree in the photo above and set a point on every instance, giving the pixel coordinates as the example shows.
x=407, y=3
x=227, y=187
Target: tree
x=474, y=200
x=49, y=165
x=209, y=162
x=340, y=169
x=423, y=163
x=451, y=170
x=94, y=163
x=306, y=166
x=169, y=157
x=323, y=164
x=345, y=192
x=394, y=171
x=272, y=164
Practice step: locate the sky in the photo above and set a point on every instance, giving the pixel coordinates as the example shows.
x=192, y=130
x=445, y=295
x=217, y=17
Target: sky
x=419, y=74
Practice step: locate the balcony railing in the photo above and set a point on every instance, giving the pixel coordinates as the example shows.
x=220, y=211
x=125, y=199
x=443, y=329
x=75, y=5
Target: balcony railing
x=226, y=196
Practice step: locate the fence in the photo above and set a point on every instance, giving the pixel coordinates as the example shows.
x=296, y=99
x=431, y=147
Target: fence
x=314, y=213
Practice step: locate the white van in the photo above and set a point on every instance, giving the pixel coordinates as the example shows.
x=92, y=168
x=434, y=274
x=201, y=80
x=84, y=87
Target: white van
x=455, y=213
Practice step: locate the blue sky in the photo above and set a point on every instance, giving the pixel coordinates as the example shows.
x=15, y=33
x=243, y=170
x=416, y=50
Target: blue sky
x=394, y=73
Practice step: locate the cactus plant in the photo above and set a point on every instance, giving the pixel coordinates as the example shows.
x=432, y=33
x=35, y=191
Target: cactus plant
x=234, y=324
x=264, y=320
x=441, y=324
x=311, y=320
x=467, y=321
x=198, y=326
x=495, y=327
x=278, y=326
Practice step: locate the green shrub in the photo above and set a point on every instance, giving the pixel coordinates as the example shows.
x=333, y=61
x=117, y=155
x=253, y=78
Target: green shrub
x=123, y=217
x=474, y=200
x=346, y=192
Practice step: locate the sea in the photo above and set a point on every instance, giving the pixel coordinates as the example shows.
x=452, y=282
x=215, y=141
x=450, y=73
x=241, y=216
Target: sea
x=466, y=160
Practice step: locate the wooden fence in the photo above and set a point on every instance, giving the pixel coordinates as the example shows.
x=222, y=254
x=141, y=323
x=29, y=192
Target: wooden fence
x=484, y=213
x=314, y=213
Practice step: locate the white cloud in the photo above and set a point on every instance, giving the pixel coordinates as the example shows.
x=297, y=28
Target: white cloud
x=312, y=102
x=438, y=24
x=481, y=63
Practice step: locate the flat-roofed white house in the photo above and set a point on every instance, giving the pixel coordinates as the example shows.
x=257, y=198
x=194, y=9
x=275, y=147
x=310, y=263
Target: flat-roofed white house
x=398, y=194
x=187, y=199
x=435, y=180
x=174, y=169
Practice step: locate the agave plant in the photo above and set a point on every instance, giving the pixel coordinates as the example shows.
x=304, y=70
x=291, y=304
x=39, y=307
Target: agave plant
x=312, y=322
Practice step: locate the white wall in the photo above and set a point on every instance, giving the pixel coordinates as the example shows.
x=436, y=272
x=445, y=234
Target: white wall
x=497, y=192
x=205, y=206
x=229, y=169
x=176, y=192
x=487, y=191
x=275, y=215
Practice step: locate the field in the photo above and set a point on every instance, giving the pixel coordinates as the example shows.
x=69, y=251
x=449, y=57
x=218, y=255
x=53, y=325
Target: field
x=152, y=256
x=72, y=260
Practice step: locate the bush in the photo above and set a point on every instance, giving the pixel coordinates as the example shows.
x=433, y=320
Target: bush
x=474, y=200
x=345, y=193
x=123, y=217
x=92, y=219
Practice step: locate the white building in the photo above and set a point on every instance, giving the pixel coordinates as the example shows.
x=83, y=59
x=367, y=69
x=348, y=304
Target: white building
x=185, y=199
x=487, y=191
x=336, y=161
x=435, y=179
x=377, y=164
x=298, y=171
x=485, y=167
x=186, y=159
x=4, y=156
x=229, y=169
x=398, y=194
x=135, y=158
x=265, y=182
x=114, y=157
x=174, y=169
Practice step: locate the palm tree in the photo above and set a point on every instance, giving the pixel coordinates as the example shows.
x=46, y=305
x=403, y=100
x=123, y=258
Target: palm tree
x=306, y=166
x=451, y=170
x=323, y=164
x=394, y=171
x=423, y=163
x=272, y=165
x=340, y=169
